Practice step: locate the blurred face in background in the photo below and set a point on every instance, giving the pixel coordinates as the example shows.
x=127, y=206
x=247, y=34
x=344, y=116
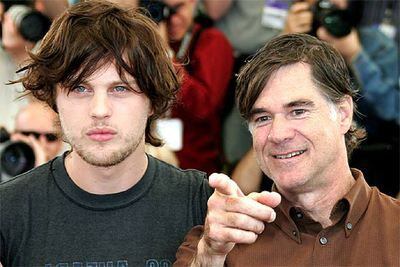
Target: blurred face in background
x=40, y=120
x=51, y=8
x=180, y=22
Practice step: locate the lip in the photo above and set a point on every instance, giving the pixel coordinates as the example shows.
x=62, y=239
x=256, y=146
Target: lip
x=101, y=134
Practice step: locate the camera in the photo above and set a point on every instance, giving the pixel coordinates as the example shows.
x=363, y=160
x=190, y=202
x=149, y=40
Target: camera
x=157, y=10
x=337, y=22
x=31, y=24
x=15, y=157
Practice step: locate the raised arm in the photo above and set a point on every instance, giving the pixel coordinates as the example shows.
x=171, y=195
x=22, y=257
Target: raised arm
x=232, y=218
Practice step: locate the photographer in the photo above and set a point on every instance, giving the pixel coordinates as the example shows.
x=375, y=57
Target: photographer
x=205, y=63
x=36, y=125
x=373, y=60
x=22, y=27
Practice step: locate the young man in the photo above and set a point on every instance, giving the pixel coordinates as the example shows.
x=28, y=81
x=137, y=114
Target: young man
x=298, y=100
x=106, y=73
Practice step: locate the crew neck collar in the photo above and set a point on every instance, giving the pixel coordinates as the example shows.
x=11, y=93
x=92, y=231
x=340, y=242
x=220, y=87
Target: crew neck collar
x=95, y=201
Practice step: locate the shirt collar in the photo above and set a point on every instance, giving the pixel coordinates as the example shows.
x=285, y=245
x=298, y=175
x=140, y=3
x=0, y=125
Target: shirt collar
x=358, y=198
x=354, y=203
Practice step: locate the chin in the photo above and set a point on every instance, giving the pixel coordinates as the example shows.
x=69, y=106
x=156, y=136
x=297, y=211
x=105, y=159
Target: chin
x=289, y=180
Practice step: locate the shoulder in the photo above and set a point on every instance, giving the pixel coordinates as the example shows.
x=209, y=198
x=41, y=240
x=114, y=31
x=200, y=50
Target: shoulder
x=178, y=175
x=31, y=182
x=383, y=203
x=173, y=180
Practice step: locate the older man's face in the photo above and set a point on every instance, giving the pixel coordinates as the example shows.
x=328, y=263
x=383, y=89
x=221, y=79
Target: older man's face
x=298, y=135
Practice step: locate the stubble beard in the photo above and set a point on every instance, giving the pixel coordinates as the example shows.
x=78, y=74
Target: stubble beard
x=103, y=158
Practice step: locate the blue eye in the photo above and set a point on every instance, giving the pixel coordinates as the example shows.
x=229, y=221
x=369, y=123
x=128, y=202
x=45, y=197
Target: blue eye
x=120, y=89
x=79, y=89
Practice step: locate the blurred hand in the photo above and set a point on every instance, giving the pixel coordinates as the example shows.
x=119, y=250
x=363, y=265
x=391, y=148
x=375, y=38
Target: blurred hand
x=41, y=156
x=299, y=18
x=232, y=218
x=348, y=46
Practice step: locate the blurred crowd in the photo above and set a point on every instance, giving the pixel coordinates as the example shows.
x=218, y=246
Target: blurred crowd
x=209, y=41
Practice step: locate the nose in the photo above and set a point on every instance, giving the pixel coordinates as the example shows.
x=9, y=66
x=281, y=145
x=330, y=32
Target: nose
x=280, y=130
x=100, y=106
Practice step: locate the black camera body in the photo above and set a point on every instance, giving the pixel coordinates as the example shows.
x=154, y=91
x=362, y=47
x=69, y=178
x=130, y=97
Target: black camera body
x=338, y=22
x=15, y=157
x=157, y=10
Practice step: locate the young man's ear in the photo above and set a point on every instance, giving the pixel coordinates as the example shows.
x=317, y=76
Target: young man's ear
x=345, y=108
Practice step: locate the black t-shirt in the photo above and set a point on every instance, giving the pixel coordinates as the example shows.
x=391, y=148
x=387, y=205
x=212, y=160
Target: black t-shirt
x=47, y=220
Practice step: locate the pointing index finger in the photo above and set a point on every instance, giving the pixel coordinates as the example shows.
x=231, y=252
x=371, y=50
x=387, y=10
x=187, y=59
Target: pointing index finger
x=224, y=185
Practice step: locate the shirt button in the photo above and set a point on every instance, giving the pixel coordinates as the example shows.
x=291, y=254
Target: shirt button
x=349, y=226
x=323, y=240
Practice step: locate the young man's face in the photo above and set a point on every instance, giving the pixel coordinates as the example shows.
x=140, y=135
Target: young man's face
x=102, y=120
x=180, y=22
x=298, y=135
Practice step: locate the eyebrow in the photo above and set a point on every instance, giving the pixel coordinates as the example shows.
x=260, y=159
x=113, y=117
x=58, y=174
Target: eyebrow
x=300, y=103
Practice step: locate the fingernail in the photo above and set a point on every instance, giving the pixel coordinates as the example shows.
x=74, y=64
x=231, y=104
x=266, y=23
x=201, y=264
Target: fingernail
x=273, y=216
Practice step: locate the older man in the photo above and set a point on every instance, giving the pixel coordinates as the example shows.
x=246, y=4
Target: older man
x=297, y=98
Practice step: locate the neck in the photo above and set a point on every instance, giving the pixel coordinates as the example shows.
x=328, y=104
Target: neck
x=319, y=201
x=107, y=180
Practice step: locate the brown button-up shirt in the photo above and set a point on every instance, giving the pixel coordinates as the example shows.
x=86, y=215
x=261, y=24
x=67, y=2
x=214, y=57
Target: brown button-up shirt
x=365, y=232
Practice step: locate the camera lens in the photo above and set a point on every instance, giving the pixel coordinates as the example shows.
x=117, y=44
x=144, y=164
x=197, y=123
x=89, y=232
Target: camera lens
x=16, y=158
x=337, y=23
x=34, y=26
x=157, y=10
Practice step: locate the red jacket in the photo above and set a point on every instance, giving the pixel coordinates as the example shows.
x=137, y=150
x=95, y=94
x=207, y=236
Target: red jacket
x=201, y=98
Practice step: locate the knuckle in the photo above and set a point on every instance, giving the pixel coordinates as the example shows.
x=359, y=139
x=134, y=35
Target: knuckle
x=213, y=202
x=228, y=235
x=213, y=232
x=230, y=201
